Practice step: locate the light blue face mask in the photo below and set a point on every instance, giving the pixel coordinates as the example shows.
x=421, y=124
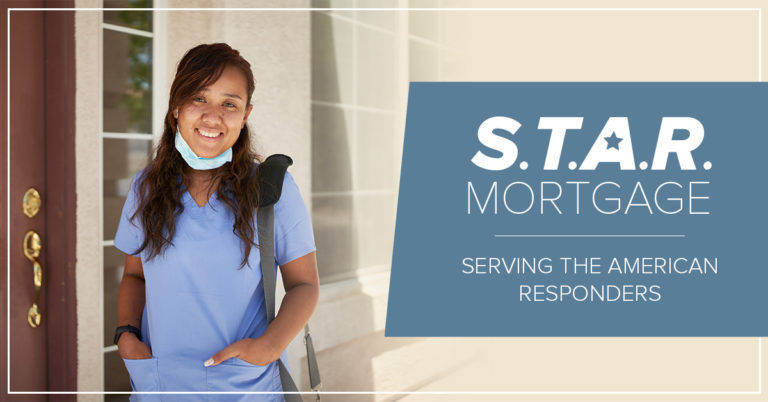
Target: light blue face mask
x=196, y=162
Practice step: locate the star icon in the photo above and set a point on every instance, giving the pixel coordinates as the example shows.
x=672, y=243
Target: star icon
x=613, y=141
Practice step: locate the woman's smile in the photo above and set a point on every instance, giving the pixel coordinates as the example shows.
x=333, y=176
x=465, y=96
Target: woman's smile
x=208, y=134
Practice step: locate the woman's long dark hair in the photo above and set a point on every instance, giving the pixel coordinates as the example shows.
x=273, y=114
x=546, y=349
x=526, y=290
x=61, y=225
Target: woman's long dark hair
x=159, y=189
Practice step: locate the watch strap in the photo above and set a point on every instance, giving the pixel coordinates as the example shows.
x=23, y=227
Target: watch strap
x=127, y=328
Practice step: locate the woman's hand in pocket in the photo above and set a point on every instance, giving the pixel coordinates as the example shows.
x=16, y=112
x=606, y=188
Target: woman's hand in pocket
x=130, y=347
x=257, y=351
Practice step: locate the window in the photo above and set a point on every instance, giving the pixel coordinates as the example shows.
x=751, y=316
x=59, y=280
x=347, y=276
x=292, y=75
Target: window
x=126, y=135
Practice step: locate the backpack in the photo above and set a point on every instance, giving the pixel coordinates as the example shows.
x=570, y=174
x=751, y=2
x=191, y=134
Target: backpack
x=271, y=173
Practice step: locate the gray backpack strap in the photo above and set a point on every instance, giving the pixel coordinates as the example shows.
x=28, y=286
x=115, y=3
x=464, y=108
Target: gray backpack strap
x=265, y=219
x=271, y=184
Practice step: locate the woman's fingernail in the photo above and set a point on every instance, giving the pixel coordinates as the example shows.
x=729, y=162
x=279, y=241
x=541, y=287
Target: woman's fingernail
x=208, y=362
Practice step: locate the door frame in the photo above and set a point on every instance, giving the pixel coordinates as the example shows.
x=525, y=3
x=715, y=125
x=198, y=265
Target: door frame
x=59, y=205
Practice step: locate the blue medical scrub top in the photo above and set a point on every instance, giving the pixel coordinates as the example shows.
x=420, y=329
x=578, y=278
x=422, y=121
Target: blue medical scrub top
x=198, y=302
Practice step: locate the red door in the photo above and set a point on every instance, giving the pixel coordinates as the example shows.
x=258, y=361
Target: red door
x=41, y=325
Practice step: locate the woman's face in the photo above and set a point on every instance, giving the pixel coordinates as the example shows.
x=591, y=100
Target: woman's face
x=211, y=121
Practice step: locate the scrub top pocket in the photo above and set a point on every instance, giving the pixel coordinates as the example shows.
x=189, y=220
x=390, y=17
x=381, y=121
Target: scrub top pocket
x=144, y=378
x=237, y=375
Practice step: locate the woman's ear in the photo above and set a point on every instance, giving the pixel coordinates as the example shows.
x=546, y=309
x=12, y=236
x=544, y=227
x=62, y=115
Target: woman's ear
x=176, y=113
x=247, y=112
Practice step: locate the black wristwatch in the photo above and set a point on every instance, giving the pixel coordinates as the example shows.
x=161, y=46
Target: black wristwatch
x=127, y=328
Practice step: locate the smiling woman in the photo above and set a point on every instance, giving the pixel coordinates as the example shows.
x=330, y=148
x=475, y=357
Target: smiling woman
x=191, y=317
x=211, y=121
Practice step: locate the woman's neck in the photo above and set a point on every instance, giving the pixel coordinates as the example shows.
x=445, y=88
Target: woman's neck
x=201, y=179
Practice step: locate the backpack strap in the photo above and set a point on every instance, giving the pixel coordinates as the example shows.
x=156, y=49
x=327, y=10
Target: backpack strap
x=271, y=174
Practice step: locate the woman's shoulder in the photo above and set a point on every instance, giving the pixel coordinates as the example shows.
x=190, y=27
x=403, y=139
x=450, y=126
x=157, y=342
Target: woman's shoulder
x=140, y=175
x=135, y=182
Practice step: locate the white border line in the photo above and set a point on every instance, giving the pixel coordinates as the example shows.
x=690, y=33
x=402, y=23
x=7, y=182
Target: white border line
x=8, y=201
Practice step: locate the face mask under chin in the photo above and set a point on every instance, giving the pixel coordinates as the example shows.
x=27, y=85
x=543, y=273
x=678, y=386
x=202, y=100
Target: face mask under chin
x=196, y=162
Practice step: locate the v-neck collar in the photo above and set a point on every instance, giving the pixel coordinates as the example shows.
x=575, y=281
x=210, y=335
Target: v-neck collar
x=193, y=202
x=190, y=201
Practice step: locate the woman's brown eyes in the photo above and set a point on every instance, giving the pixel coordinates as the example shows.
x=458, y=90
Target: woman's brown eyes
x=225, y=104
